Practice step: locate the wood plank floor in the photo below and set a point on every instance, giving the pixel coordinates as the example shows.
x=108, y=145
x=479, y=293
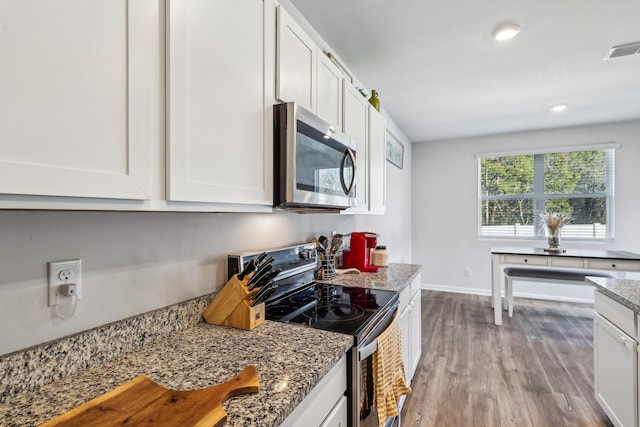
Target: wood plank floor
x=535, y=370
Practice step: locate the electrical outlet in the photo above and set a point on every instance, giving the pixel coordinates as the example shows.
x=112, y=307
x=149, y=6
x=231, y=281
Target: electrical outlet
x=467, y=272
x=64, y=273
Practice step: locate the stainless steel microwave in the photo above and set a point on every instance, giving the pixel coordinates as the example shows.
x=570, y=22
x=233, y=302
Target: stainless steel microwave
x=314, y=163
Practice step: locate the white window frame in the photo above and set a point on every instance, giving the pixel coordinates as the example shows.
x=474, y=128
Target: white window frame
x=539, y=197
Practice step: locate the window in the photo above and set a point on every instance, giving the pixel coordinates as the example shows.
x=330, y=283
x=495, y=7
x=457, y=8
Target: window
x=514, y=189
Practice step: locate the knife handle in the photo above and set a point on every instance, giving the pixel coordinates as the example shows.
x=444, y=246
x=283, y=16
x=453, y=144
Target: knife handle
x=251, y=266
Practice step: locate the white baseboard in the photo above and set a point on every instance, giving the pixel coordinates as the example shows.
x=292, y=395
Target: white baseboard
x=455, y=289
x=486, y=292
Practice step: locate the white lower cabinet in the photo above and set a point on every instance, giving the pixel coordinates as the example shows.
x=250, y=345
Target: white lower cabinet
x=415, y=350
x=338, y=416
x=615, y=363
x=326, y=404
x=411, y=327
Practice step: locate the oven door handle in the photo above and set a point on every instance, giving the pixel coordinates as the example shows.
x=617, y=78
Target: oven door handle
x=367, y=350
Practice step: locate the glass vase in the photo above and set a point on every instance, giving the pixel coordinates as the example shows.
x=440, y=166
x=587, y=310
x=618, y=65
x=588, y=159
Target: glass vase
x=553, y=241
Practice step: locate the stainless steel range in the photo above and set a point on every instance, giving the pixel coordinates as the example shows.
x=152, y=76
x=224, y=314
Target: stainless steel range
x=361, y=312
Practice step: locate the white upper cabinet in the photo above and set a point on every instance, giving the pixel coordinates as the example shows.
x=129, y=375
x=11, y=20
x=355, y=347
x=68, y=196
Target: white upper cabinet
x=329, y=91
x=76, y=117
x=377, y=162
x=296, y=63
x=367, y=127
x=356, y=125
x=304, y=74
x=219, y=103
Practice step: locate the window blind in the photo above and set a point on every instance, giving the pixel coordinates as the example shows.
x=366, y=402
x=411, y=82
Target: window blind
x=515, y=189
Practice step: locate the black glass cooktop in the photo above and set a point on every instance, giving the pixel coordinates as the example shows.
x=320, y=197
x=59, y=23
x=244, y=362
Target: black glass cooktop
x=332, y=307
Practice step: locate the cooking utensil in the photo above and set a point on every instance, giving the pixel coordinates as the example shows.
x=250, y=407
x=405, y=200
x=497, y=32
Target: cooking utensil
x=324, y=242
x=259, y=277
x=141, y=401
x=347, y=271
x=263, y=293
x=250, y=268
x=315, y=241
x=263, y=269
x=319, y=248
x=336, y=243
x=267, y=278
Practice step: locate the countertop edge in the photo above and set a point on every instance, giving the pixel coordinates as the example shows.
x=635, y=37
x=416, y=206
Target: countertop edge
x=197, y=357
x=624, y=291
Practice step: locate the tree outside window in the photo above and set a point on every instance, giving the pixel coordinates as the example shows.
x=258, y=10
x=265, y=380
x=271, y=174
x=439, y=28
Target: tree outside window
x=514, y=189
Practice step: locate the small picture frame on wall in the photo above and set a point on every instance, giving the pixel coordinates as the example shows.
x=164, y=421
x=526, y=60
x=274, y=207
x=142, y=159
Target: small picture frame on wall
x=395, y=151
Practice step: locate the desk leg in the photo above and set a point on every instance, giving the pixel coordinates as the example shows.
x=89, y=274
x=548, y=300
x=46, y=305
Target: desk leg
x=496, y=291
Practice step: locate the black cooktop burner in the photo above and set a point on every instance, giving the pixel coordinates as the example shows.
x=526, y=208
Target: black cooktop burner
x=331, y=307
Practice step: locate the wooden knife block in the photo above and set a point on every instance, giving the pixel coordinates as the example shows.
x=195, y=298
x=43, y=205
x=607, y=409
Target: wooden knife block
x=231, y=307
x=245, y=316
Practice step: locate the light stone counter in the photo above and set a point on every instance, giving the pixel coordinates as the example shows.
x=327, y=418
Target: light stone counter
x=395, y=277
x=173, y=347
x=290, y=361
x=624, y=291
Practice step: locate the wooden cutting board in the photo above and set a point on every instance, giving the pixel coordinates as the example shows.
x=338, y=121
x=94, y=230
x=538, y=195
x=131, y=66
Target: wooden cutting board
x=141, y=401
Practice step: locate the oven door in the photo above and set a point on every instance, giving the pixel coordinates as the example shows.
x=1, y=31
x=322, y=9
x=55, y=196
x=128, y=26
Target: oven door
x=362, y=409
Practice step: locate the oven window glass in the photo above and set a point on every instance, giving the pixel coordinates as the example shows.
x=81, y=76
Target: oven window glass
x=319, y=162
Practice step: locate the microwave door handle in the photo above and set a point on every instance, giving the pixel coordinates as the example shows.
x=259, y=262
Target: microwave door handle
x=348, y=153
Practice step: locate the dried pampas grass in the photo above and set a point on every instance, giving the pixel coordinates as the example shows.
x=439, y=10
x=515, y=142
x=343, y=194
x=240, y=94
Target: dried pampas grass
x=554, y=221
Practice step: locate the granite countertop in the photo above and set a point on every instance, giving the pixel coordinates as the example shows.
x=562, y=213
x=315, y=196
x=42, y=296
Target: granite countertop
x=290, y=361
x=395, y=277
x=625, y=291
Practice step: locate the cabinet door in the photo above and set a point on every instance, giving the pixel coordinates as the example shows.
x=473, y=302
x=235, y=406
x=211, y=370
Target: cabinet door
x=405, y=333
x=219, y=122
x=329, y=91
x=76, y=103
x=338, y=416
x=377, y=162
x=296, y=63
x=415, y=340
x=355, y=124
x=322, y=400
x=615, y=371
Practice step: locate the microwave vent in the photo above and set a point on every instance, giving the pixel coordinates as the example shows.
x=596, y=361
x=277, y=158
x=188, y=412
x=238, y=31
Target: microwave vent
x=623, y=50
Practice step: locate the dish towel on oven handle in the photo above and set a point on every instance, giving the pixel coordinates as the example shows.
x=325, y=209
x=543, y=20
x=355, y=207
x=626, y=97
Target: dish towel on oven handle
x=388, y=372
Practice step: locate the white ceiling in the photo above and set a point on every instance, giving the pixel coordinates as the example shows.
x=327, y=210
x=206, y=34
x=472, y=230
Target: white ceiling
x=440, y=75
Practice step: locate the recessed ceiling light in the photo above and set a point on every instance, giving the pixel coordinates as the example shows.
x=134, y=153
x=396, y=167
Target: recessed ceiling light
x=559, y=108
x=505, y=31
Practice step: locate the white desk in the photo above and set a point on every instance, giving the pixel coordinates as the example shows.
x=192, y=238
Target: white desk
x=537, y=257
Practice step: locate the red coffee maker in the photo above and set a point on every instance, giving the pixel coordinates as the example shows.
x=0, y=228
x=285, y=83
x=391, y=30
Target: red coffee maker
x=358, y=255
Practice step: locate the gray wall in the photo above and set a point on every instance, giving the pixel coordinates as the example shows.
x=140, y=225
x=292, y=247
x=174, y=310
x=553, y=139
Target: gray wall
x=445, y=205
x=139, y=261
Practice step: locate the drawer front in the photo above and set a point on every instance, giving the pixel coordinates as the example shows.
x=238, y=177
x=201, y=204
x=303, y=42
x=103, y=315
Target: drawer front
x=613, y=264
x=616, y=313
x=523, y=259
x=567, y=262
